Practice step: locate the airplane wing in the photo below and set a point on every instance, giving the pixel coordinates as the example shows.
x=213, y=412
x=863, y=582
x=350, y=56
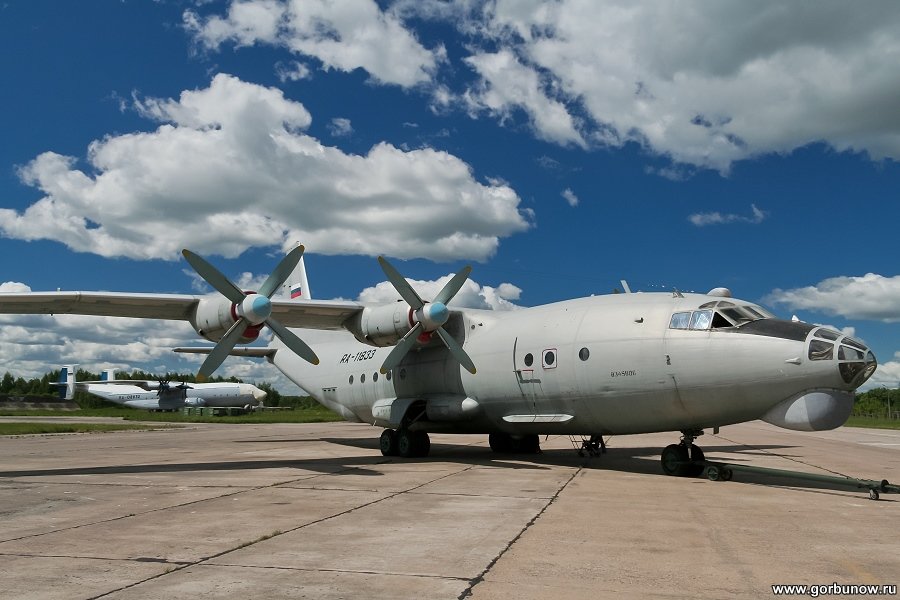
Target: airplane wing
x=306, y=314
x=253, y=351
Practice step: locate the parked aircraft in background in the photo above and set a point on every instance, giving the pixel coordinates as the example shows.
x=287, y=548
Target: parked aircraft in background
x=605, y=365
x=162, y=394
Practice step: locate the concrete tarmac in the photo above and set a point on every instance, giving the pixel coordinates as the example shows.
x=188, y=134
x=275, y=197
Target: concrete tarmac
x=315, y=511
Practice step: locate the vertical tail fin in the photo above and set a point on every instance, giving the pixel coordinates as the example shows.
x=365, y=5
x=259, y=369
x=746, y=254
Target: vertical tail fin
x=297, y=285
x=67, y=382
x=108, y=375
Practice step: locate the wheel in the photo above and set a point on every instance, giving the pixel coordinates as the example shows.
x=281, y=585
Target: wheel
x=388, y=442
x=406, y=445
x=713, y=473
x=873, y=494
x=695, y=468
x=500, y=442
x=674, y=459
x=726, y=474
x=527, y=444
x=421, y=443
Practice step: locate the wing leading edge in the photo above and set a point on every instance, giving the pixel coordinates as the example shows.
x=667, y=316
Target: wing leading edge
x=307, y=314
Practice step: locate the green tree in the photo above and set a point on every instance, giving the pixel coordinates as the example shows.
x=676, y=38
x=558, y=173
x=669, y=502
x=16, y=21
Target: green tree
x=6, y=385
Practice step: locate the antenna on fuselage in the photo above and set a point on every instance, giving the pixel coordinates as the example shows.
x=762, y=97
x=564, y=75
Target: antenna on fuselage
x=625, y=286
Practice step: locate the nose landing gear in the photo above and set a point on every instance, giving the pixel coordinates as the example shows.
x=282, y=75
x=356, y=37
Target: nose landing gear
x=684, y=459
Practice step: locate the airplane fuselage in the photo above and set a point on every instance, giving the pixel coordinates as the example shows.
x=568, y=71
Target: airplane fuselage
x=600, y=365
x=208, y=394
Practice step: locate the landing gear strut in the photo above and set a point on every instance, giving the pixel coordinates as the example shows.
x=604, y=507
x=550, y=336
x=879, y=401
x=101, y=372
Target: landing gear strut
x=405, y=443
x=684, y=459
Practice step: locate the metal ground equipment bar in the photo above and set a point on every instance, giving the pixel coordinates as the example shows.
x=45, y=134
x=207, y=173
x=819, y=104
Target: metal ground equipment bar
x=718, y=471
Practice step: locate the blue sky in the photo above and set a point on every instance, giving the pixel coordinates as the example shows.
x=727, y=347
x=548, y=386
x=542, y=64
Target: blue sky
x=557, y=146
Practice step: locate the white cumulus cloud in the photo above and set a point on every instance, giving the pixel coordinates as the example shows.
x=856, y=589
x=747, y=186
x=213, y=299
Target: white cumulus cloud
x=570, y=197
x=345, y=35
x=229, y=167
x=870, y=296
x=471, y=295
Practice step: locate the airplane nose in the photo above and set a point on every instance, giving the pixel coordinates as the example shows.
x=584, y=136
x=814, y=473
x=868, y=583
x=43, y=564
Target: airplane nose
x=252, y=390
x=856, y=362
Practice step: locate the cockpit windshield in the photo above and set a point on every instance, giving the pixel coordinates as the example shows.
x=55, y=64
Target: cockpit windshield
x=720, y=314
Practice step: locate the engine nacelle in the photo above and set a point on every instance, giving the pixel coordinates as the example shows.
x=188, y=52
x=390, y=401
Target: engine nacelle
x=381, y=325
x=213, y=317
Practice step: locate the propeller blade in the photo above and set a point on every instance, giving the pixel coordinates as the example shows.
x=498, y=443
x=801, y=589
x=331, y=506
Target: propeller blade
x=213, y=277
x=453, y=286
x=456, y=350
x=222, y=349
x=403, y=346
x=290, y=340
x=281, y=272
x=400, y=284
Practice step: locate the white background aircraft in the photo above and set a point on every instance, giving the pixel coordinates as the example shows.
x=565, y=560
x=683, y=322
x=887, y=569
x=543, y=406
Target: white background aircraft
x=160, y=395
x=604, y=365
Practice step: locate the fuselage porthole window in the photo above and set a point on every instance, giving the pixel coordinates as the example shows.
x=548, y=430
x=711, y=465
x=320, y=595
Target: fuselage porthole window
x=375, y=376
x=584, y=354
x=351, y=380
x=362, y=378
x=529, y=359
x=388, y=375
x=549, y=358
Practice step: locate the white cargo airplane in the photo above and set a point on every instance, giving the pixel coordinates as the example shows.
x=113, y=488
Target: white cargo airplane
x=160, y=395
x=605, y=365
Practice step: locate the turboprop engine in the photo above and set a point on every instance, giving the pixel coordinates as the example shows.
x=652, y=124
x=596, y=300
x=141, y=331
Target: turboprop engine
x=215, y=315
x=386, y=325
x=410, y=322
x=241, y=314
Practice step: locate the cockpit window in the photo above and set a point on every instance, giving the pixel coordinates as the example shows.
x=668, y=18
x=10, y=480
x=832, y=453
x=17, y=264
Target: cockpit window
x=848, y=353
x=701, y=319
x=851, y=342
x=827, y=334
x=680, y=320
x=819, y=350
x=737, y=316
x=726, y=316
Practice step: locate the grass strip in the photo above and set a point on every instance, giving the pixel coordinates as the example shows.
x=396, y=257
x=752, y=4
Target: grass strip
x=41, y=428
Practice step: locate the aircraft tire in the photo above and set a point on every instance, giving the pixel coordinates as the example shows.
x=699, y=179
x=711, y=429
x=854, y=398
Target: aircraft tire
x=413, y=444
x=500, y=442
x=405, y=443
x=673, y=460
x=695, y=469
x=422, y=443
x=388, y=442
x=528, y=444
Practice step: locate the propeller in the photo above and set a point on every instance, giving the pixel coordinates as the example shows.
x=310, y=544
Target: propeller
x=252, y=309
x=430, y=316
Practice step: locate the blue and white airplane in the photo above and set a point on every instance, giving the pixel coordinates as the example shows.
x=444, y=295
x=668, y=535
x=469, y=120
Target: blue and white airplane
x=160, y=395
x=605, y=365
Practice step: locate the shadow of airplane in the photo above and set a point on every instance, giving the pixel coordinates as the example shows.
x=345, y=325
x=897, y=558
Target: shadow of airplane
x=634, y=460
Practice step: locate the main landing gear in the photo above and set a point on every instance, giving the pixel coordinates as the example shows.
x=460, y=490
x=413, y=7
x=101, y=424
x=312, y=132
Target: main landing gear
x=405, y=443
x=505, y=443
x=684, y=459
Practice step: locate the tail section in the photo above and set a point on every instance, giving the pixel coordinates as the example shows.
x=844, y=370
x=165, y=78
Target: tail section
x=67, y=382
x=108, y=375
x=297, y=285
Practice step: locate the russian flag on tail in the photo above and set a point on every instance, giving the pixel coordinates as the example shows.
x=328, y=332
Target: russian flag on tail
x=296, y=291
